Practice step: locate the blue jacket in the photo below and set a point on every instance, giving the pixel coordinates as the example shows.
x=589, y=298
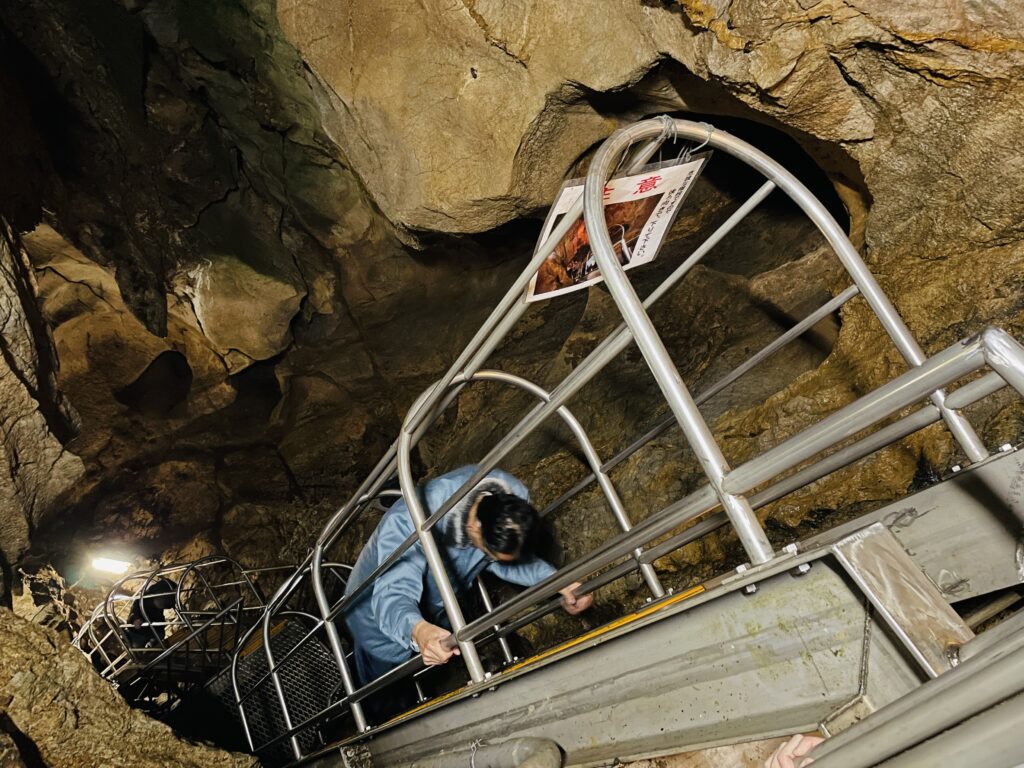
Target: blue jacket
x=382, y=619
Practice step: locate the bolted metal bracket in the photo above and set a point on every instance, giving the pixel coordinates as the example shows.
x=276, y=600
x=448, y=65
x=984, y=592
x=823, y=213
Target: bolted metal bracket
x=801, y=569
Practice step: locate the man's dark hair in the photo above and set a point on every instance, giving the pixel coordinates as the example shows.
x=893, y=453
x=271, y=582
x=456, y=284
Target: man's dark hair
x=508, y=523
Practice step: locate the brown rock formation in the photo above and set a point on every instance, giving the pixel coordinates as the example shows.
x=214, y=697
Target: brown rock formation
x=64, y=715
x=34, y=416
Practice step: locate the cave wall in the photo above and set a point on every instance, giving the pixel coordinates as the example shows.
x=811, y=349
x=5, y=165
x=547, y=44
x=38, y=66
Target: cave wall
x=239, y=237
x=35, y=417
x=254, y=209
x=908, y=110
x=56, y=712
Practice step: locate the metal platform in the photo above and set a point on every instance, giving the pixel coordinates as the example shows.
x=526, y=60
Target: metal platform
x=855, y=623
x=808, y=640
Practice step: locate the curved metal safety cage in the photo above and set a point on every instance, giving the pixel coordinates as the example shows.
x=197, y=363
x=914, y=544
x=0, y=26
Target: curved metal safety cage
x=729, y=497
x=159, y=634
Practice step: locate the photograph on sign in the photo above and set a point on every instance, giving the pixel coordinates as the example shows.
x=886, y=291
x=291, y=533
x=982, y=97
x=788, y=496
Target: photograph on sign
x=639, y=209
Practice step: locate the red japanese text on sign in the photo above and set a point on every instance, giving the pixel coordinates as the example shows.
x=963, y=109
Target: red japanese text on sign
x=646, y=185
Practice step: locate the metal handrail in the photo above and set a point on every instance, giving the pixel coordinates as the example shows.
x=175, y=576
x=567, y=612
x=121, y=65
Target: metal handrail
x=704, y=395
x=726, y=487
x=956, y=362
x=191, y=596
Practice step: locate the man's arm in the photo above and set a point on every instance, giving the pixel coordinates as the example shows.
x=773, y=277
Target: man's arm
x=396, y=592
x=526, y=573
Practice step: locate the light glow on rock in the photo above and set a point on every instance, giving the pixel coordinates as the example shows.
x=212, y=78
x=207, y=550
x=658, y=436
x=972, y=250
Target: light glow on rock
x=110, y=565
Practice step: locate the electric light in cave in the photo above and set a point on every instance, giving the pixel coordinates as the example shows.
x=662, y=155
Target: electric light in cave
x=110, y=565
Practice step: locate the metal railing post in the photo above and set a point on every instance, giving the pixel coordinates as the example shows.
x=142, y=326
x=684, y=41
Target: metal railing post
x=485, y=596
x=880, y=304
x=696, y=430
x=430, y=550
x=334, y=638
x=593, y=460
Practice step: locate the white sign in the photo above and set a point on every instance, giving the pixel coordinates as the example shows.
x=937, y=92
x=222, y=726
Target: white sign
x=639, y=210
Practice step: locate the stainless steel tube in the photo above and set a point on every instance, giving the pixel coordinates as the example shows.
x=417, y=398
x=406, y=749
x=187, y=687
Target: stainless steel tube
x=981, y=644
x=604, y=353
x=696, y=430
x=239, y=701
x=279, y=691
x=797, y=330
x=975, y=390
x=501, y=320
x=579, y=433
x=919, y=419
x=705, y=394
x=611, y=495
x=938, y=704
x=485, y=596
x=694, y=505
x=435, y=563
x=410, y=667
x=594, y=583
x=1005, y=356
x=505, y=316
x=703, y=500
x=851, y=260
x=990, y=739
x=334, y=638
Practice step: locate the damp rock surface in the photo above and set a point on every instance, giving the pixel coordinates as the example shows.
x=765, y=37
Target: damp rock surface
x=259, y=230
x=35, y=417
x=61, y=714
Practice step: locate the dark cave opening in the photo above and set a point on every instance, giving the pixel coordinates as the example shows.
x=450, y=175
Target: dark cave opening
x=784, y=149
x=162, y=387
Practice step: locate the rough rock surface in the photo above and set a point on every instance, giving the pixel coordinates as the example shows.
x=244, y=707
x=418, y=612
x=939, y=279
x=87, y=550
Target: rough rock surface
x=34, y=416
x=70, y=718
x=908, y=110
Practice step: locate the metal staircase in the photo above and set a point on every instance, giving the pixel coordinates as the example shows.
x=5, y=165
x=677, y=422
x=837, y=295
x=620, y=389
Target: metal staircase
x=160, y=635
x=837, y=633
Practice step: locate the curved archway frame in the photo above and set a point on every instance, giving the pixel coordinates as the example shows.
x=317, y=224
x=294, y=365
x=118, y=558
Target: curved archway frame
x=631, y=148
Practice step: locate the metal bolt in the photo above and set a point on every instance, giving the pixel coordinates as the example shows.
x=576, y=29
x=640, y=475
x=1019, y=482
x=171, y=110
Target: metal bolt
x=487, y=675
x=1005, y=447
x=955, y=468
x=953, y=654
x=671, y=591
x=741, y=568
x=749, y=589
x=791, y=548
x=648, y=599
x=801, y=569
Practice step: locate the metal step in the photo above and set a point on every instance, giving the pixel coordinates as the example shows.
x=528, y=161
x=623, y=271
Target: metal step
x=309, y=677
x=774, y=650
